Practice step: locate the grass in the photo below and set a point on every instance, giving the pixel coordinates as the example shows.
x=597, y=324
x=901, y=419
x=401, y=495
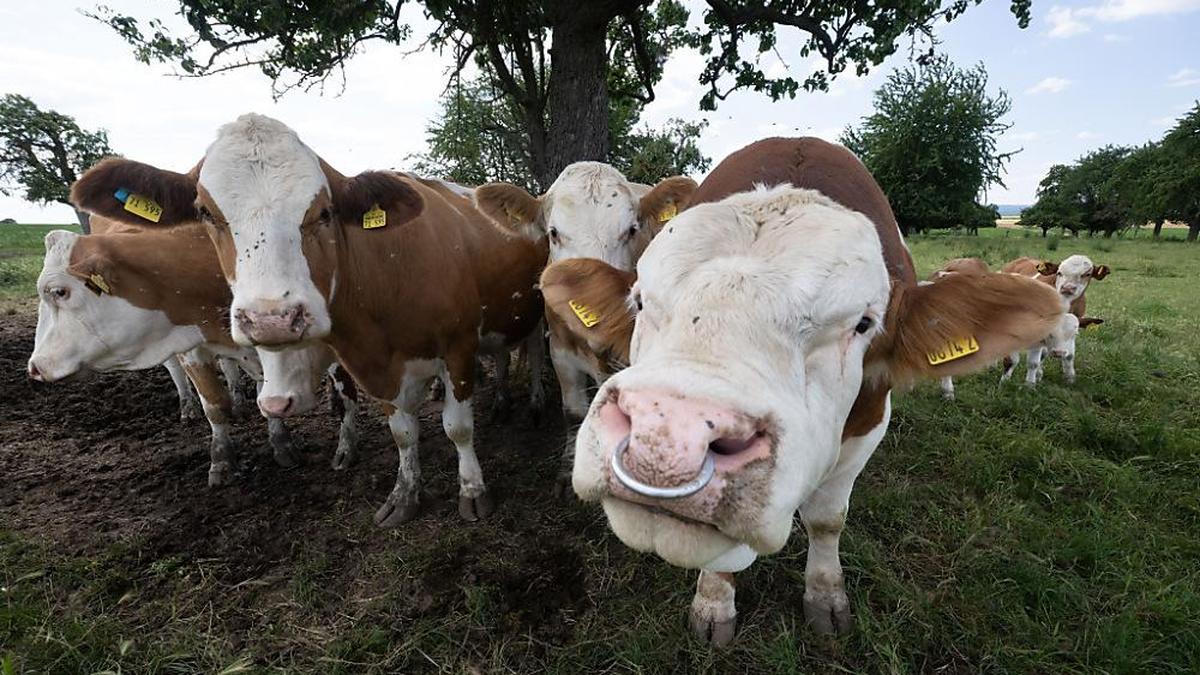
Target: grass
x=21, y=252
x=1008, y=532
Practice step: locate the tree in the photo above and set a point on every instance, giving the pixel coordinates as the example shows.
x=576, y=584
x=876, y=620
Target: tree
x=1141, y=180
x=563, y=65
x=474, y=141
x=1181, y=171
x=42, y=152
x=1090, y=195
x=1053, y=208
x=931, y=143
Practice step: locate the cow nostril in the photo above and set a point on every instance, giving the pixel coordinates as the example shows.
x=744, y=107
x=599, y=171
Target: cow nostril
x=298, y=319
x=733, y=446
x=34, y=373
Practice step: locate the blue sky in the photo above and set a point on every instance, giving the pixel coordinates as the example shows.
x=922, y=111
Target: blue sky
x=1084, y=74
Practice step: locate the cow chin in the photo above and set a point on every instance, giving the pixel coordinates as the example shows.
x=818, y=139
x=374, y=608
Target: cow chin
x=681, y=543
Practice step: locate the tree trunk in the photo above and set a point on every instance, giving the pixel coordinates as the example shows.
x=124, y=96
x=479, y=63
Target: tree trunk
x=1158, y=228
x=85, y=221
x=1193, y=229
x=578, y=91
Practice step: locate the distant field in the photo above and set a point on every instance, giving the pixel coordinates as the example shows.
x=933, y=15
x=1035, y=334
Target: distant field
x=21, y=252
x=1010, y=531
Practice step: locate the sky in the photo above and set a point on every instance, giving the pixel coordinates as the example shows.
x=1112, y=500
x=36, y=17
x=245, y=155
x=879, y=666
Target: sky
x=1083, y=75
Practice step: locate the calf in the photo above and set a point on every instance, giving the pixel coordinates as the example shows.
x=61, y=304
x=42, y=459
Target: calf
x=765, y=330
x=132, y=300
x=403, y=278
x=1060, y=344
x=591, y=211
x=1070, y=277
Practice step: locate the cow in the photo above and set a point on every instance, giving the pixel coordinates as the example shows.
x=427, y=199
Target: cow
x=404, y=279
x=131, y=300
x=1060, y=344
x=960, y=266
x=1069, y=277
x=591, y=211
x=765, y=329
x=189, y=404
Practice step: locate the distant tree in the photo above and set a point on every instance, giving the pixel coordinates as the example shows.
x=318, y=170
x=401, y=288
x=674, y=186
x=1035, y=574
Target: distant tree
x=1181, y=171
x=1142, y=180
x=42, y=152
x=475, y=140
x=563, y=65
x=1053, y=208
x=1089, y=195
x=931, y=143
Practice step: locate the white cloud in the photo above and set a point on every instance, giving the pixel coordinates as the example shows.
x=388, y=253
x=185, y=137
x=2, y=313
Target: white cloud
x=1087, y=135
x=1185, y=77
x=1049, y=85
x=1066, y=22
x=1115, y=37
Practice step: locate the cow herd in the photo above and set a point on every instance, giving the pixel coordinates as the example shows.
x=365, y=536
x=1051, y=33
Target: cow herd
x=743, y=335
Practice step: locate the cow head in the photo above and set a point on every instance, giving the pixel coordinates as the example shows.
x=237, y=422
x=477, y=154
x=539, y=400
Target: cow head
x=292, y=379
x=1072, y=275
x=1061, y=341
x=590, y=211
x=275, y=212
x=84, y=323
x=754, y=323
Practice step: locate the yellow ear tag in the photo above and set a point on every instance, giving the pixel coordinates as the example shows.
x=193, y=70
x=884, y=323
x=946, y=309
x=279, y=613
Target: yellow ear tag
x=667, y=213
x=98, y=283
x=1042, y=268
x=954, y=349
x=144, y=207
x=374, y=218
x=586, y=316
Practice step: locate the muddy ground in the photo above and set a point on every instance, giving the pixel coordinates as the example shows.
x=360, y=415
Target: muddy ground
x=101, y=466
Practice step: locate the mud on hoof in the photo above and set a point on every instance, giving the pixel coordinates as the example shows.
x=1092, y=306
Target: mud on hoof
x=397, y=510
x=828, y=613
x=220, y=474
x=343, y=457
x=716, y=632
x=190, y=412
x=475, y=508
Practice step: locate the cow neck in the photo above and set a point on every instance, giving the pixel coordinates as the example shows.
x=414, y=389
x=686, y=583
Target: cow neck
x=173, y=271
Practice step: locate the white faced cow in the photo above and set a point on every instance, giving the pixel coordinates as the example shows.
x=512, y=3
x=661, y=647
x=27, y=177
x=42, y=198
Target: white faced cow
x=132, y=300
x=767, y=330
x=403, y=278
x=590, y=212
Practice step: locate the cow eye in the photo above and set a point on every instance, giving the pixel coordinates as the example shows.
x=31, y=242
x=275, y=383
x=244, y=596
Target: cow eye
x=553, y=234
x=60, y=292
x=864, y=324
x=206, y=215
x=326, y=215
x=633, y=229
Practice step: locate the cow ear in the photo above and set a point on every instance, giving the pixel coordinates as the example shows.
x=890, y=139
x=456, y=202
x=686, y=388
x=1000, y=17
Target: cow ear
x=510, y=206
x=1089, y=321
x=361, y=199
x=665, y=200
x=96, y=272
x=963, y=323
x=55, y=237
x=1047, y=268
x=1100, y=271
x=591, y=298
x=136, y=194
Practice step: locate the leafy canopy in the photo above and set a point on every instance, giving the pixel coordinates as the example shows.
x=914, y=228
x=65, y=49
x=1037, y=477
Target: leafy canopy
x=42, y=151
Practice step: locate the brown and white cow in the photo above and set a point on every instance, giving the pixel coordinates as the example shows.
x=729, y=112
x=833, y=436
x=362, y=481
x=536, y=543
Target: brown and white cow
x=129, y=300
x=765, y=329
x=590, y=212
x=404, y=279
x=1069, y=277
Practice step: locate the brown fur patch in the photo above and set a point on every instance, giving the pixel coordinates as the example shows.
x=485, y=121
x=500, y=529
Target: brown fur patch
x=600, y=288
x=1003, y=312
x=961, y=266
x=355, y=196
x=669, y=192
x=210, y=387
x=508, y=205
x=95, y=191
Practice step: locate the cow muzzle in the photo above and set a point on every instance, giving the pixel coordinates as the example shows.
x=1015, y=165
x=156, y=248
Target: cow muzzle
x=274, y=327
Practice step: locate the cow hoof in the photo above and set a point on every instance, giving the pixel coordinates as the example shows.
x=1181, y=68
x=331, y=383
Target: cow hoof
x=220, y=474
x=475, y=508
x=711, y=631
x=189, y=413
x=828, y=613
x=343, y=458
x=396, y=511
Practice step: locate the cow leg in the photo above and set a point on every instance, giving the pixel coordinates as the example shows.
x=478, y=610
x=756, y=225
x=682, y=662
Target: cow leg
x=1033, y=371
x=535, y=347
x=458, y=420
x=948, y=388
x=189, y=405
x=218, y=410
x=1068, y=364
x=346, y=394
x=572, y=383
x=713, y=616
x=826, y=606
x=233, y=381
x=401, y=505
x=1010, y=364
x=283, y=450
x=502, y=401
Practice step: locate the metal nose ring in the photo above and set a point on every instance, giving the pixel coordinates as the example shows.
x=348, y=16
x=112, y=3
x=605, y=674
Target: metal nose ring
x=707, y=471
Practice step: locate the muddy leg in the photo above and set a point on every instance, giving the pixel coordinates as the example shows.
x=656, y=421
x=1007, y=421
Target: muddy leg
x=535, y=346
x=218, y=410
x=713, y=616
x=189, y=405
x=502, y=403
x=458, y=420
x=401, y=505
x=346, y=394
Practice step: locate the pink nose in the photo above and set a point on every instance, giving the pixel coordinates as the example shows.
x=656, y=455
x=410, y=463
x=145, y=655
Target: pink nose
x=1058, y=353
x=670, y=436
x=1069, y=289
x=34, y=373
x=275, y=406
x=274, y=327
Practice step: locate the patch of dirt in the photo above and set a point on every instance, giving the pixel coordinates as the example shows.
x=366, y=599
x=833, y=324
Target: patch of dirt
x=102, y=466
